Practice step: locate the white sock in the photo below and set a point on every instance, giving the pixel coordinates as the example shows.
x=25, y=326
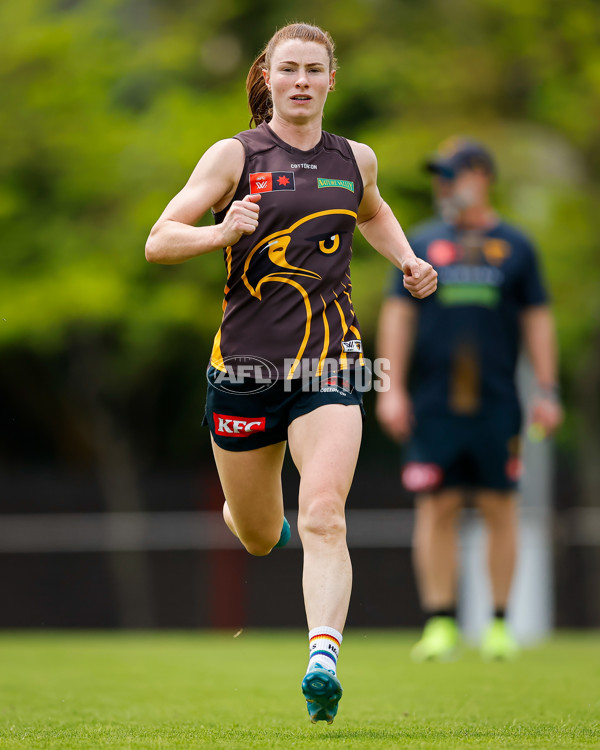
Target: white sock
x=324, y=648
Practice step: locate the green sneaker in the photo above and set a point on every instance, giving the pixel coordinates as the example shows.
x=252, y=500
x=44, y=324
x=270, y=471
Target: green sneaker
x=498, y=642
x=439, y=641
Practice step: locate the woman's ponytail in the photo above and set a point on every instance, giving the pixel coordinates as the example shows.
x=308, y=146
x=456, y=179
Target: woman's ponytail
x=259, y=96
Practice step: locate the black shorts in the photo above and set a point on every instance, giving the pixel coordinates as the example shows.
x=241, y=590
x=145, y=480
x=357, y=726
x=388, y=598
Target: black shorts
x=242, y=417
x=481, y=452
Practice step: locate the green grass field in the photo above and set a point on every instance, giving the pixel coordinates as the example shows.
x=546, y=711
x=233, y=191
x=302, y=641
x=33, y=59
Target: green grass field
x=211, y=690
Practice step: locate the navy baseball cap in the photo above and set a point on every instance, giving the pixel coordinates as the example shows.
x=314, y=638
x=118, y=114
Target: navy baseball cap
x=458, y=154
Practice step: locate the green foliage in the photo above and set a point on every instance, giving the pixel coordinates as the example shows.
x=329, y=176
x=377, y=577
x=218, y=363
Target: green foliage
x=217, y=691
x=101, y=135
x=108, y=104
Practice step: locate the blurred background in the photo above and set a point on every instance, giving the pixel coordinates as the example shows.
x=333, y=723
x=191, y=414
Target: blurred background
x=109, y=500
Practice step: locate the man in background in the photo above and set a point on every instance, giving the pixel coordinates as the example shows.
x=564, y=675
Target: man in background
x=460, y=413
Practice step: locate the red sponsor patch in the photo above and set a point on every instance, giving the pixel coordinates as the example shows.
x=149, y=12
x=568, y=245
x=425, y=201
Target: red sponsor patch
x=261, y=182
x=228, y=426
x=420, y=477
x=442, y=253
x=267, y=182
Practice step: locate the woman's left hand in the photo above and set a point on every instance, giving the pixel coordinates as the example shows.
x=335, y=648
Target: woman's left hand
x=420, y=277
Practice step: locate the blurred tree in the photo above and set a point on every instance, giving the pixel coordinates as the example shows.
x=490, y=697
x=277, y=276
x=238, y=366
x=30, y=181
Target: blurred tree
x=108, y=105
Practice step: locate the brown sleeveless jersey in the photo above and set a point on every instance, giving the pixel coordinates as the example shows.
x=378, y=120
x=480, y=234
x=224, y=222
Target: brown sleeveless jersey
x=288, y=291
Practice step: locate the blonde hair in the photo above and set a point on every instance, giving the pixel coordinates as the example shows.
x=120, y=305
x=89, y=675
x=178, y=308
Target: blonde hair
x=259, y=96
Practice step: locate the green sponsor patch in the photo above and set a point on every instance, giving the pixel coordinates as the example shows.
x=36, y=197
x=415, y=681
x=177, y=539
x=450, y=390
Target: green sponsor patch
x=469, y=294
x=323, y=182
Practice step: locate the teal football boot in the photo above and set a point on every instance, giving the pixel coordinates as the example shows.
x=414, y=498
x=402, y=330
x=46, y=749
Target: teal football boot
x=322, y=691
x=286, y=533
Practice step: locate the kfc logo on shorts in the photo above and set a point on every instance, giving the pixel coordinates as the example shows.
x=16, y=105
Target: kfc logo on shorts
x=228, y=426
x=418, y=477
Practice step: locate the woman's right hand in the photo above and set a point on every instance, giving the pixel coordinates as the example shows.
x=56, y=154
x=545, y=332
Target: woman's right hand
x=242, y=218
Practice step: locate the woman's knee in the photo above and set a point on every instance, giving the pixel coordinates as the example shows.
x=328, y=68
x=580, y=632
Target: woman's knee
x=323, y=516
x=258, y=548
x=259, y=544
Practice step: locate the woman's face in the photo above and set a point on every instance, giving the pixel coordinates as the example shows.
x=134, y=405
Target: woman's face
x=299, y=80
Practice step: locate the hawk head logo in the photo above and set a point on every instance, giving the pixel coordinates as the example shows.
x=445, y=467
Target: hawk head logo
x=296, y=254
x=301, y=256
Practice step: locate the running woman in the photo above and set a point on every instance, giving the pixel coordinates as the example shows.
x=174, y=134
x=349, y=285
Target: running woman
x=286, y=198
